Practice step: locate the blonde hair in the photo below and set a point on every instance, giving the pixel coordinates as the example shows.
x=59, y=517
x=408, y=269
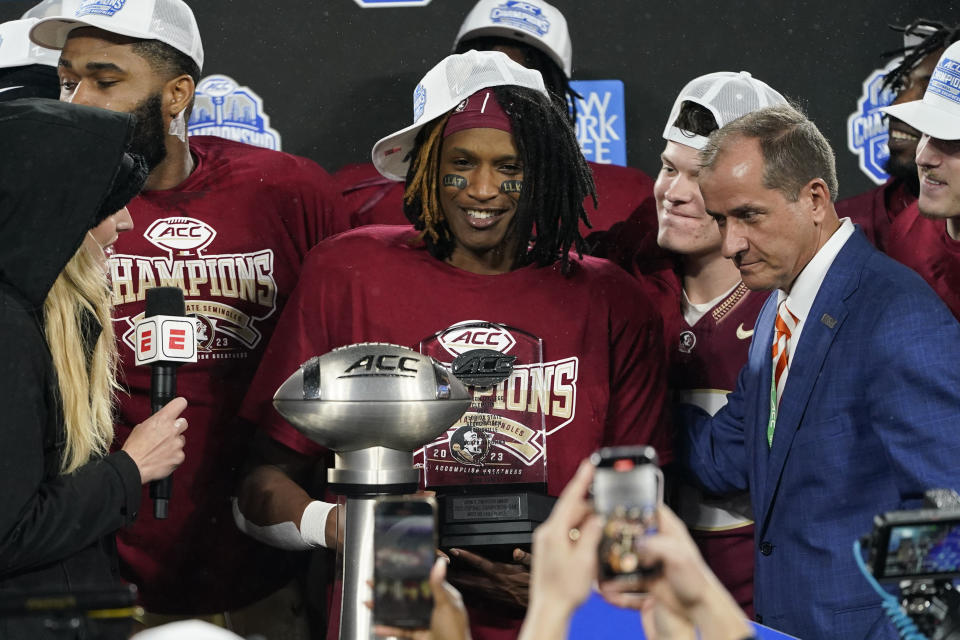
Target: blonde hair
x=87, y=381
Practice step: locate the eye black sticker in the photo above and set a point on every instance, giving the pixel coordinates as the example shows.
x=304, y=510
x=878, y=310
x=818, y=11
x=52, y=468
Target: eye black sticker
x=511, y=186
x=453, y=180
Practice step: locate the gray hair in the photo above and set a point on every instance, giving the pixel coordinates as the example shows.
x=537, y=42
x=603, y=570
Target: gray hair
x=794, y=151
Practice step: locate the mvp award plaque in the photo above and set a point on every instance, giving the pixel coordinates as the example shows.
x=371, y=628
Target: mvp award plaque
x=489, y=470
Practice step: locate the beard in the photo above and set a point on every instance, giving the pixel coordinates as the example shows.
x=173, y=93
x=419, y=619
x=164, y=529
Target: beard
x=904, y=169
x=148, y=134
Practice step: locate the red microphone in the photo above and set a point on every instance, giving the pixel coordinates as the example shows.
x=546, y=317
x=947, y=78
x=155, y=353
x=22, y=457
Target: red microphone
x=165, y=339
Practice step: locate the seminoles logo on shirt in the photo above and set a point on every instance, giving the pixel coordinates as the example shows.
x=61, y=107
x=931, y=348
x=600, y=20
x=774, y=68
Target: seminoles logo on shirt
x=227, y=294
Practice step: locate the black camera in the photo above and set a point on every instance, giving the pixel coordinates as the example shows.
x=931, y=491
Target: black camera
x=920, y=551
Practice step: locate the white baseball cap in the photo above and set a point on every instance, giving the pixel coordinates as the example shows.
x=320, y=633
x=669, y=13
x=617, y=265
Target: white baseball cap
x=16, y=50
x=937, y=114
x=50, y=8
x=531, y=22
x=454, y=79
x=727, y=95
x=169, y=21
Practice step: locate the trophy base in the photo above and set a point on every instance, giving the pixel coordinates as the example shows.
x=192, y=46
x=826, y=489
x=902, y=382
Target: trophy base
x=505, y=518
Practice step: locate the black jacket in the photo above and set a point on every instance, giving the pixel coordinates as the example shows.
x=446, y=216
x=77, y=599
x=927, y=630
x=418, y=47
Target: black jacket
x=58, y=165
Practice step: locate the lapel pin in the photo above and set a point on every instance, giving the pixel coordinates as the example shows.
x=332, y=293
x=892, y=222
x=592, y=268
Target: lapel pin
x=828, y=320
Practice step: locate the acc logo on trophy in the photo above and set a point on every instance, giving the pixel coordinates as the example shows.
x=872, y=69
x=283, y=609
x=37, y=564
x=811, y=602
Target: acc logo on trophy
x=470, y=445
x=482, y=367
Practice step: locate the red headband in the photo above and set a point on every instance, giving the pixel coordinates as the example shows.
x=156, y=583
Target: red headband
x=479, y=111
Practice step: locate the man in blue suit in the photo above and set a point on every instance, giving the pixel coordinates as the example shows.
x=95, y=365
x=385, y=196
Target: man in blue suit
x=849, y=404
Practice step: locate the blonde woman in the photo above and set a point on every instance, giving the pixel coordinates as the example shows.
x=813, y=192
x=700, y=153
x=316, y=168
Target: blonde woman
x=64, y=180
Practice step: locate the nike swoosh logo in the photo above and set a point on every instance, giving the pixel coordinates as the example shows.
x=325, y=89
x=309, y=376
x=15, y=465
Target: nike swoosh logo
x=11, y=88
x=743, y=334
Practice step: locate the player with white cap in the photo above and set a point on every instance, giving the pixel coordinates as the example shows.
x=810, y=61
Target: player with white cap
x=926, y=237
x=230, y=224
x=533, y=33
x=495, y=184
x=708, y=312
x=875, y=210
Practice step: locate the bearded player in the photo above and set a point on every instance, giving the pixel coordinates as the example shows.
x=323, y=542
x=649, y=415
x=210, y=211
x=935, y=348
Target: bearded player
x=495, y=189
x=533, y=33
x=923, y=43
x=228, y=223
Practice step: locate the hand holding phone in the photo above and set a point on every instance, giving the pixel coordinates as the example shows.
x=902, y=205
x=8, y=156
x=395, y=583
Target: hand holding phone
x=627, y=490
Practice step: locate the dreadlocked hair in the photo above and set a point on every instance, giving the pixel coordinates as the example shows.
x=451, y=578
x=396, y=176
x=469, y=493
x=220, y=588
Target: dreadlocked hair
x=556, y=180
x=556, y=81
x=941, y=38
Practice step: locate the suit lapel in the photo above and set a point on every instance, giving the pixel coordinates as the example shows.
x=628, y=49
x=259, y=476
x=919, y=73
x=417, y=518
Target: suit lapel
x=825, y=320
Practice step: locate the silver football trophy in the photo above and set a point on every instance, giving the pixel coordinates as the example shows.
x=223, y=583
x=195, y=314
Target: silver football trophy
x=490, y=468
x=372, y=404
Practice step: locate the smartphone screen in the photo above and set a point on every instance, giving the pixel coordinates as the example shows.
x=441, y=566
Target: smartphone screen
x=627, y=489
x=404, y=553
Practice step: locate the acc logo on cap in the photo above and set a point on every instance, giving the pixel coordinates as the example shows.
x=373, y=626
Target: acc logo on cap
x=373, y=4
x=867, y=131
x=522, y=15
x=99, y=7
x=419, y=101
x=224, y=109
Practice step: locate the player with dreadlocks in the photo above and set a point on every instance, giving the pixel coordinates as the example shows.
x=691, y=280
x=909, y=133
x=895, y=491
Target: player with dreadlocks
x=555, y=166
x=534, y=34
x=923, y=43
x=495, y=188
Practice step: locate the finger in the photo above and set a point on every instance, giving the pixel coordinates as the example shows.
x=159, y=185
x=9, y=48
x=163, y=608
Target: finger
x=522, y=557
x=394, y=632
x=180, y=425
x=172, y=409
x=569, y=507
x=477, y=562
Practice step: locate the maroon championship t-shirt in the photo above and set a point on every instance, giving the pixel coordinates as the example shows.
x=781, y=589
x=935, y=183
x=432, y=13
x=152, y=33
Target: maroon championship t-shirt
x=923, y=245
x=233, y=236
x=602, y=378
x=370, y=198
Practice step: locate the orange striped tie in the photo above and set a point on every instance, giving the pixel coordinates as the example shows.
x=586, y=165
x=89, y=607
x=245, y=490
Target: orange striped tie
x=784, y=326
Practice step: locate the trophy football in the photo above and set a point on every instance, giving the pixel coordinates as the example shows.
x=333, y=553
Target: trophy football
x=373, y=404
x=489, y=468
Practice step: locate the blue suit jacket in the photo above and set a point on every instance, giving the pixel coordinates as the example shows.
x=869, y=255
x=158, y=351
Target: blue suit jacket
x=869, y=419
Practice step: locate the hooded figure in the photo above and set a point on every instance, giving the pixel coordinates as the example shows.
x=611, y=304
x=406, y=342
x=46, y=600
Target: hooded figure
x=63, y=169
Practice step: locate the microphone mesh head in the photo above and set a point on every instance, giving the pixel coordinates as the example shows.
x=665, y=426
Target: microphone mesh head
x=165, y=301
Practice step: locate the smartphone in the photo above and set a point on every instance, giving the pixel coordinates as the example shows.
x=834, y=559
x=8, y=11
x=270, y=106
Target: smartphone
x=405, y=548
x=916, y=545
x=627, y=489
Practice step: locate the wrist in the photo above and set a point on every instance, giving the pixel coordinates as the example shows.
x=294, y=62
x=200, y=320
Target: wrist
x=719, y=617
x=314, y=524
x=545, y=619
